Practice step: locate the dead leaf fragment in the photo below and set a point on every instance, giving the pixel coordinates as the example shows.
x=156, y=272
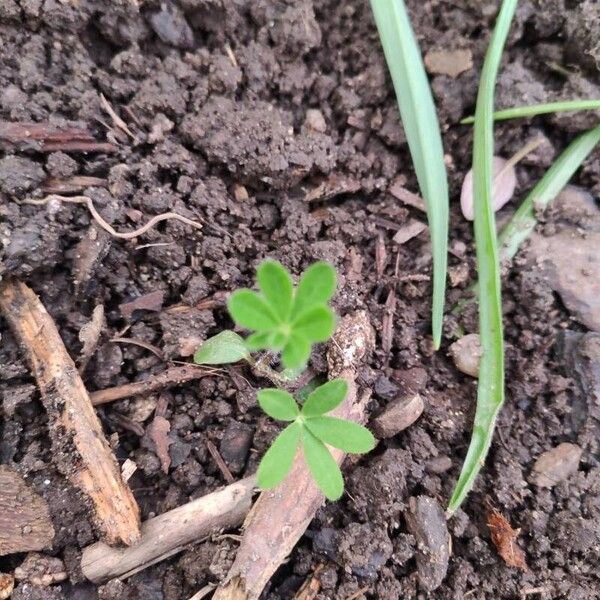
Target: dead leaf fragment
x=152, y=301
x=449, y=62
x=159, y=434
x=504, y=538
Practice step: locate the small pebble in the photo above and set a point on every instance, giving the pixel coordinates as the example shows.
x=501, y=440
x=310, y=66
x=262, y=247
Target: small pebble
x=439, y=464
x=466, y=354
x=235, y=445
x=40, y=569
x=315, y=120
x=7, y=583
x=240, y=193
x=449, y=62
x=556, y=465
x=397, y=415
x=426, y=521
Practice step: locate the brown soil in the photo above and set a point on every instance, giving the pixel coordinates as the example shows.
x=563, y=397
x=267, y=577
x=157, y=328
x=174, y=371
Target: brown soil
x=205, y=121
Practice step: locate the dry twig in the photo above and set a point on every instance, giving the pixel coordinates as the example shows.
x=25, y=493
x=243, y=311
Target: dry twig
x=78, y=442
x=169, y=377
x=171, y=532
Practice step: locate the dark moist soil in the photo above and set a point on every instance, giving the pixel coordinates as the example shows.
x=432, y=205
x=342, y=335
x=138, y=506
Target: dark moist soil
x=220, y=97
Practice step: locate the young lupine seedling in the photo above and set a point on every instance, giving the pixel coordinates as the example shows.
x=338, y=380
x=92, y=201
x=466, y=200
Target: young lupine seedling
x=311, y=428
x=284, y=319
x=290, y=320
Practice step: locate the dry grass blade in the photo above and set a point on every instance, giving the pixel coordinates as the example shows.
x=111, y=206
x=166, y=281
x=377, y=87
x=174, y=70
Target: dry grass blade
x=421, y=126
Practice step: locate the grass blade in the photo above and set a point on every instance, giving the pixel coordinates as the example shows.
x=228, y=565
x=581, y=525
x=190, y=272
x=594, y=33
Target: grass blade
x=522, y=223
x=421, y=126
x=524, y=220
x=490, y=391
x=533, y=110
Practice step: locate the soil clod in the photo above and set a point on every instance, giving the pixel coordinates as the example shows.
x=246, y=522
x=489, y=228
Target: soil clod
x=556, y=465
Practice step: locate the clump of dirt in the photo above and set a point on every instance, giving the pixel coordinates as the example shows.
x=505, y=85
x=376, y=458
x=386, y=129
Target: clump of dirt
x=274, y=124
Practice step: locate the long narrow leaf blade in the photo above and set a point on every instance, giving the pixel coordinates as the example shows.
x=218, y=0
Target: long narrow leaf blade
x=522, y=223
x=421, y=126
x=490, y=392
x=533, y=110
x=524, y=220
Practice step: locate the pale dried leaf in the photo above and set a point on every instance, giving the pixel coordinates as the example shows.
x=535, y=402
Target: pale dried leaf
x=503, y=187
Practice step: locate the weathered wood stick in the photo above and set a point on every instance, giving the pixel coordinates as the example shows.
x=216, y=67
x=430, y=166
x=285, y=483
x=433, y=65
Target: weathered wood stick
x=172, y=376
x=280, y=517
x=78, y=441
x=169, y=533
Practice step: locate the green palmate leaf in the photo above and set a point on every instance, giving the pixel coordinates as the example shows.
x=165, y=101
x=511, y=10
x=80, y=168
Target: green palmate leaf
x=251, y=311
x=325, y=398
x=278, y=459
x=296, y=352
x=322, y=466
x=225, y=347
x=490, y=391
x=276, y=285
x=316, y=286
x=259, y=341
x=340, y=433
x=278, y=404
x=316, y=324
x=421, y=126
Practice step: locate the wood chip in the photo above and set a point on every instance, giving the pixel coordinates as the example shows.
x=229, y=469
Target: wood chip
x=333, y=186
x=398, y=190
x=24, y=516
x=504, y=538
x=158, y=432
x=152, y=301
x=408, y=231
x=128, y=468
